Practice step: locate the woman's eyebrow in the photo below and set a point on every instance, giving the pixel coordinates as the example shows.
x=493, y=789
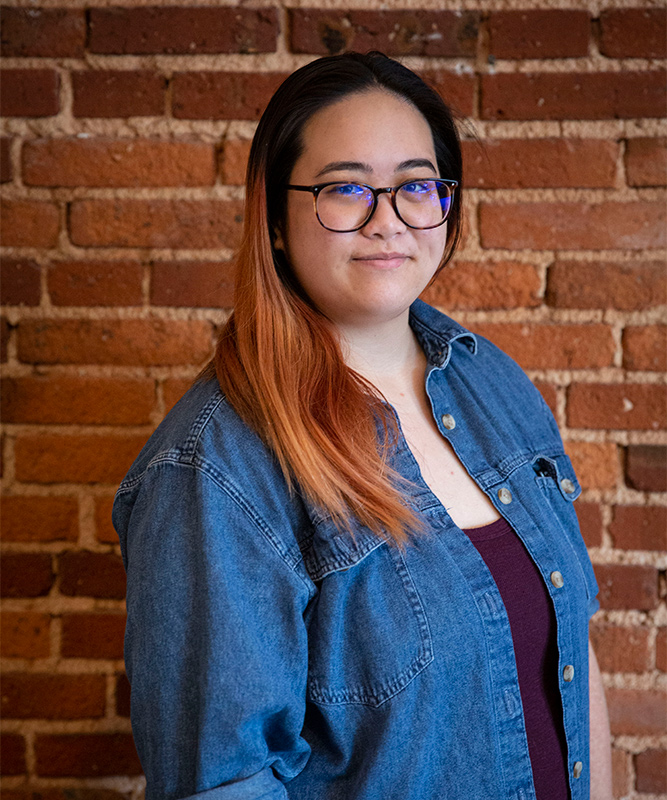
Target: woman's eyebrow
x=360, y=166
x=339, y=166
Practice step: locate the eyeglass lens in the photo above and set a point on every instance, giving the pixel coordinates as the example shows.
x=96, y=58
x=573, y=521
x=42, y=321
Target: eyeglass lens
x=419, y=204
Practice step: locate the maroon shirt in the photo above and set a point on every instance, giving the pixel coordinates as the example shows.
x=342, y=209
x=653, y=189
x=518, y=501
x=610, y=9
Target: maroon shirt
x=533, y=624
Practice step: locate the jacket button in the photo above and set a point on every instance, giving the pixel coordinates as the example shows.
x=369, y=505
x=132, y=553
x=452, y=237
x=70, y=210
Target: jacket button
x=505, y=496
x=448, y=421
x=557, y=579
x=567, y=485
x=568, y=673
x=577, y=769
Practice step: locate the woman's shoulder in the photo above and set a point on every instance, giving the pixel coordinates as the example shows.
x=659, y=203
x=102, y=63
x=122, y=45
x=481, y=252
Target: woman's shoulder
x=474, y=364
x=204, y=435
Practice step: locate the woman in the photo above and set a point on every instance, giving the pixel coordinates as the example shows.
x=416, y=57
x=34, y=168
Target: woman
x=354, y=568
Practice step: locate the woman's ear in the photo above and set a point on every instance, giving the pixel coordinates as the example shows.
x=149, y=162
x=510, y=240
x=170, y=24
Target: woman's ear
x=278, y=243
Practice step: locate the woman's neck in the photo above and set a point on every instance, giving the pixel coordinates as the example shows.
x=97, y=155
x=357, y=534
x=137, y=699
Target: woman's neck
x=387, y=355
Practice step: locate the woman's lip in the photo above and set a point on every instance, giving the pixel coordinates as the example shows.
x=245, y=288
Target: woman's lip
x=386, y=260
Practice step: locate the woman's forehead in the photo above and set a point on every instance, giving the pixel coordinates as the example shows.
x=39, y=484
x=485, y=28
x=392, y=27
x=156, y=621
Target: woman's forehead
x=369, y=131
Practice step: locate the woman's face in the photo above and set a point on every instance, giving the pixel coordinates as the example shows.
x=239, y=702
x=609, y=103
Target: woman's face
x=371, y=275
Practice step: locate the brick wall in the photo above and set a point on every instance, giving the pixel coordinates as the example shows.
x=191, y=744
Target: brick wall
x=125, y=135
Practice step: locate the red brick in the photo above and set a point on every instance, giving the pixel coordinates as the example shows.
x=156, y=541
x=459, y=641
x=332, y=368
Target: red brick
x=146, y=342
x=56, y=32
x=607, y=284
x=223, y=95
x=39, y=519
x=71, y=399
x=547, y=346
x=20, y=282
x=12, y=754
x=85, y=755
x=633, y=33
x=6, y=171
x=573, y=226
x=539, y=34
x=5, y=333
x=191, y=224
x=173, y=389
x=95, y=283
x=661, y=650
x=624, y=586
x=86, y=574
x=458, y=91
x=208, y=284
x=620, y=773
x=619, y=406
x=646, y=467
x=637, y=712
x=122, y=696
x=537, y=163
x=596, y=463
x=75, y=459
x=621, y=649
x=185, y=31
x=548, y=392
x=29, y=223
x=25, y=634
x=590, y=522
x=42, y=696
x=233, y=161
x=487, y=284
x=118, y=93
x=66, y=793
x=646, y=162
x=651, y=771
x=26, y=574
x=601, y=95
x=29, y=92
x=93, y=635
x=640, y=527
x=397, y=33
x=104, y=529
x=117, y=162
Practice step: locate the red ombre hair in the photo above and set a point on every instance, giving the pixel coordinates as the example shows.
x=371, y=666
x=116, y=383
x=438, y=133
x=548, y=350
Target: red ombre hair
x=278, y=359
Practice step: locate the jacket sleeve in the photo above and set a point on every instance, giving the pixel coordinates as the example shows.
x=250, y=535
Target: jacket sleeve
x=215, y=644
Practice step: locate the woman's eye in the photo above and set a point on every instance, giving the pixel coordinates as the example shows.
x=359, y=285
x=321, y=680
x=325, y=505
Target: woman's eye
x=418, y=187
x=346, y=189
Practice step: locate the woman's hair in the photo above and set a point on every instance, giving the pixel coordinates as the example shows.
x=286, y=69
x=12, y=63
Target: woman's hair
x=278, y=359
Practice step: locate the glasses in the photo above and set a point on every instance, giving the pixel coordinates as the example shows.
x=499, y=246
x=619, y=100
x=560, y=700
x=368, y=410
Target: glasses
x=343, y=207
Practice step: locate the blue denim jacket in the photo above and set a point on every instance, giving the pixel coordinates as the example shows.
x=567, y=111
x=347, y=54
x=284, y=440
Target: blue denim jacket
x=271, y=657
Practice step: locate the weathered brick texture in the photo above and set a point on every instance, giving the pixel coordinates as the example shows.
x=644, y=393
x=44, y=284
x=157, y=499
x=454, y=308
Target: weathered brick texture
x=539, y=34
x=26, y=518
x=29, y=92
x=93, y=635
x=44, y=696
x=82, y=755
x=185, y=31
x=633, y=32
x=29, y=223
x=124, y=142
x=397, y=33
x=53, y=32
x=196, y=224
x=72, y=399
x=114, y=93
x=95, y=283
x=128, y=162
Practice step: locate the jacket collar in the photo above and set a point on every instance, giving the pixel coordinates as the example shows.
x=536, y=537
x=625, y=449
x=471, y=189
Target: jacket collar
x=437, y=332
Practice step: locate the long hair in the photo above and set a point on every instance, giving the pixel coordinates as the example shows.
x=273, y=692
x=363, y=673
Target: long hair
x=278, y=359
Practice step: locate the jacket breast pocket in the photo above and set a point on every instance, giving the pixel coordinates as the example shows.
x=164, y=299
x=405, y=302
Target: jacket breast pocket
x=369, y=635
x=559, y=485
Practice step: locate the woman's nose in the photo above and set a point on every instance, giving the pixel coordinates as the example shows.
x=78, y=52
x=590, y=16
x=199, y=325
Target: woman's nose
x=384, y=222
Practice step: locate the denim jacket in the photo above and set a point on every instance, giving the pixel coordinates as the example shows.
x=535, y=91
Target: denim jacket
x=271, y=656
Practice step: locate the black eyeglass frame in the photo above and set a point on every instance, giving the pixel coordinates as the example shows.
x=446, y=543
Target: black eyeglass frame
x=390, y=190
